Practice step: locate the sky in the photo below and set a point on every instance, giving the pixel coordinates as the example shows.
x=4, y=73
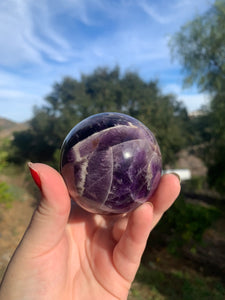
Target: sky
x=43, y=41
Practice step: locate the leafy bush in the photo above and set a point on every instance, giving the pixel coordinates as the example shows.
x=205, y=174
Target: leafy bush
x=175, y=284
x=4, y=147
x=3, y=159
x=6, y=196
x=196, y=184
x=186, y=223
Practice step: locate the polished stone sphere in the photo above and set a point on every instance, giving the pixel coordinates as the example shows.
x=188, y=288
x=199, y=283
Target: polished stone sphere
x=111, y=163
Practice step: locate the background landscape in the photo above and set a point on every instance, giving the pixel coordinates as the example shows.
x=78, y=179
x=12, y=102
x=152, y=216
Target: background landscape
x=185, y=257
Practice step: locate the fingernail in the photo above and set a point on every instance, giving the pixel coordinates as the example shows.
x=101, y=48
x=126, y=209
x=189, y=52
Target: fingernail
x=177, y=175
x=34, y=175
x=149, y=203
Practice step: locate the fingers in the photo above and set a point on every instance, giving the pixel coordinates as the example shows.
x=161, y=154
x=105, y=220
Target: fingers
x=127, y=253
x=165, y=195
x=119, y=228
x=132, y=232
x=50, y=218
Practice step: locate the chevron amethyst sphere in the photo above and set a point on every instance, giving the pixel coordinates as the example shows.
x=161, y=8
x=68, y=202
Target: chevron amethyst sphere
x=111, y=163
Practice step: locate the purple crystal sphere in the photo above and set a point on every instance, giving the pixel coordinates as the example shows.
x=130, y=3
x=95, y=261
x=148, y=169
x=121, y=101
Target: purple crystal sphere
x=111, y=163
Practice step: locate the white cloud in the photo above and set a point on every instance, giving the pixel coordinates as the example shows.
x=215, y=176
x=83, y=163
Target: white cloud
x=20, y=36
x=31, y=34
x=13, y=94
x=42, y=41
x=18, y=95
x=173, y=88
x=21, y=104
x=191, y=98
x=186, y=4
x=151, y=11
x=194, y=101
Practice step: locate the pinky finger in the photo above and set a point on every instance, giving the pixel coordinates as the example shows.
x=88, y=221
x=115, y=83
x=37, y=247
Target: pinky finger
x=165, y=195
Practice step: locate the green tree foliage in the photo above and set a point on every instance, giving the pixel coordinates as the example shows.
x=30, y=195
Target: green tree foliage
x=200, y=128
x=104, y=90
x=200, y=47
x=216, y=150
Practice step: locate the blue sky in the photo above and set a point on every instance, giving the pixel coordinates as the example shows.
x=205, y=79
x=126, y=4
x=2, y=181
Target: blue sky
x=43, y=41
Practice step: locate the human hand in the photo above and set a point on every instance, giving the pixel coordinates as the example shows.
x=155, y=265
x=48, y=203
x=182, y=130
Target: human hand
x=68, y=253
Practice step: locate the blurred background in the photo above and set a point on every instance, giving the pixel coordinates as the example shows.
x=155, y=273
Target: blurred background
x=162, y=62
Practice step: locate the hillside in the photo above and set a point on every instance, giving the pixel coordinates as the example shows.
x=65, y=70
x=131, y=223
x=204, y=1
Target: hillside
x=7, y=127
x=4, y=124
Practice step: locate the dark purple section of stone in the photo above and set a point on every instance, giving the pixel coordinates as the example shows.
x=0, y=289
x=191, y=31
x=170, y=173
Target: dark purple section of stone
x=138, y=173
x=130, y=173
x=116, y=163
x=68, y=157
x=121, y=204
x=156, y=170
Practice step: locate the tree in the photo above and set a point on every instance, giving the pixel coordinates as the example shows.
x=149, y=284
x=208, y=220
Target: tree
x=104, y=90
x=216, y=149
x=200, y=48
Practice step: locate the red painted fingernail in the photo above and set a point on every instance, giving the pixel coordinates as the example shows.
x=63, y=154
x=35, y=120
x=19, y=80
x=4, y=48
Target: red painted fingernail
x=35, y=175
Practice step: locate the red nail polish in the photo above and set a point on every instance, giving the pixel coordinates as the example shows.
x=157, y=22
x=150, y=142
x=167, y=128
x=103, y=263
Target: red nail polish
x=35, y=175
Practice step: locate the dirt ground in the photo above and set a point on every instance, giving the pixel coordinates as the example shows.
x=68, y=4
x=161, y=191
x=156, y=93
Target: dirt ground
x=14, y=219
x=13, y=222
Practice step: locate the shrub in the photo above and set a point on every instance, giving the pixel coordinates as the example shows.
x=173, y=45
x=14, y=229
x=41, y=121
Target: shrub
x=6, y=196
x=186, y=223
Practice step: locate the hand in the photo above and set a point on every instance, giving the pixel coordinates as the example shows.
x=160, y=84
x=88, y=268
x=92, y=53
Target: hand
x=67, y=253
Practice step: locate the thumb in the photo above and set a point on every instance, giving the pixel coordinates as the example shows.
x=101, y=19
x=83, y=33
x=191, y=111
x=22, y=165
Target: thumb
x=50, y=218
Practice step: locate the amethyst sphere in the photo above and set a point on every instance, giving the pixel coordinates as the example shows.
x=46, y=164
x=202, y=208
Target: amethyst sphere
x=111, y=163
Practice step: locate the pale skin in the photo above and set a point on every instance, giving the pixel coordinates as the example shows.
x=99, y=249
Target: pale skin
x=67, y=253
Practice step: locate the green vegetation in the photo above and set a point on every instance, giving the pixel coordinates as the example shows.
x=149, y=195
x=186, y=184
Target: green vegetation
x=105, y=90
x=196, y=184
x=3, y=159
x=6, y=195
x=185, y=223
x=4, y=146
x=176, y=284
x=199, y=46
